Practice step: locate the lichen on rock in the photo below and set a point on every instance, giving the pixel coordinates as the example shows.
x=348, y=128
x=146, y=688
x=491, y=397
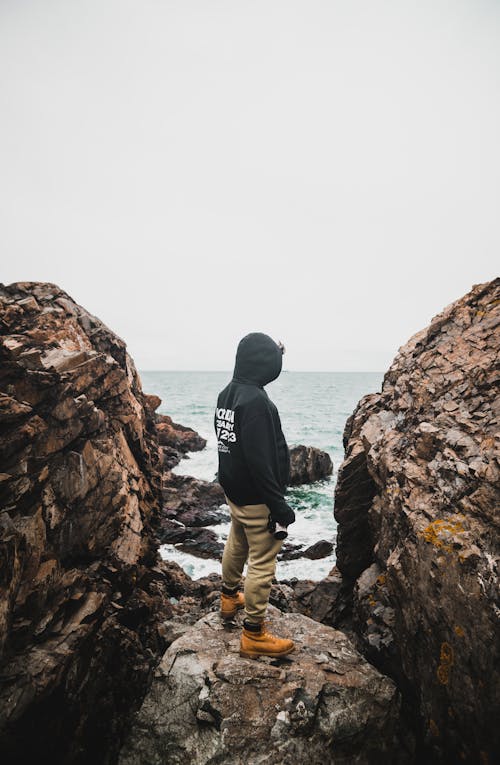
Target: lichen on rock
x=417, y=504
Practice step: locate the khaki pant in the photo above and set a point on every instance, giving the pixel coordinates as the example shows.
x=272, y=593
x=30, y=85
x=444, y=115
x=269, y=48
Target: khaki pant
x=249, y=539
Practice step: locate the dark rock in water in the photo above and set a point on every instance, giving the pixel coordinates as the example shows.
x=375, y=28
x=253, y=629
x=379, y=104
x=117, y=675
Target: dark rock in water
x=176, y=436
x=290, y=551
x=204, y=543
x=417, y=503
x=318, y=550
x=193, y=502
x=308, y=464
x=198, y=541
x=82, y=593
x=323, y=703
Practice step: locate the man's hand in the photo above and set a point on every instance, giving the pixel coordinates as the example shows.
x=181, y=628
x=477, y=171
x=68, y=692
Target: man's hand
x=284, y=515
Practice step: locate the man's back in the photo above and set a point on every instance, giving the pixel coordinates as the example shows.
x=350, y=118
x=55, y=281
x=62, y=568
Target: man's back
x=254, y=461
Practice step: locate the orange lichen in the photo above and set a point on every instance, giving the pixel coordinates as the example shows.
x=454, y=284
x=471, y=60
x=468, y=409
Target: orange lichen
x=459, y=632
x=433, y=531
x=443, y=674
x=433, y=728
x=381, y=580
x=446, y=654
x=447, y=658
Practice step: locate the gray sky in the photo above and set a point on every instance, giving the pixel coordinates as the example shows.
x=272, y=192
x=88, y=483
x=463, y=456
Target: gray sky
x=327, y=172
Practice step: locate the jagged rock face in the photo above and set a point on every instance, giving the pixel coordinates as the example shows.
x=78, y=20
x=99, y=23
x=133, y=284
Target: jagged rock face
x=417, y=503
x=308, y=464
x=324, y=703
x=79, y=494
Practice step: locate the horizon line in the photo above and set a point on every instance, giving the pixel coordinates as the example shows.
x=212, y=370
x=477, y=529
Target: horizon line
x=300, y=371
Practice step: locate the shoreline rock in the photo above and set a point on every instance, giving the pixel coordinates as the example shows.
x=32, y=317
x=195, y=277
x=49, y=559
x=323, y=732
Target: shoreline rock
x=308, y=464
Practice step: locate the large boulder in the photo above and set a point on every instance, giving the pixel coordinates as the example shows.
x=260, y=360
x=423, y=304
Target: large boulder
x=308, y=464
x=82, y=595
x=418, y=510
x=324, y=703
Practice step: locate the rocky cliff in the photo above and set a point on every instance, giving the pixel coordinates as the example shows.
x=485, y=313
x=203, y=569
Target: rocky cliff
x=81, y=596
x=418, y=510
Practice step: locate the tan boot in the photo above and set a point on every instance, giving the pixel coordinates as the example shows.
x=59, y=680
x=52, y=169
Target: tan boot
x=256, y=641
x=230, y=604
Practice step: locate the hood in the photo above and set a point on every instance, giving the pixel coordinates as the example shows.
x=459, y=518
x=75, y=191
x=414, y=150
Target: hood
x=258, y=359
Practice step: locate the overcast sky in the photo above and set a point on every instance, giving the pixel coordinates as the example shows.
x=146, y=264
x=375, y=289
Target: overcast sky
x=325, y=171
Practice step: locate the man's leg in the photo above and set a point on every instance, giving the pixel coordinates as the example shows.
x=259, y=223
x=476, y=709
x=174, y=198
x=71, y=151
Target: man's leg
x=235, y=552
x=263, y=549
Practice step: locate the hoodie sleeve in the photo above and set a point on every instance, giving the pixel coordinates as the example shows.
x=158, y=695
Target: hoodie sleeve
x=258, y=443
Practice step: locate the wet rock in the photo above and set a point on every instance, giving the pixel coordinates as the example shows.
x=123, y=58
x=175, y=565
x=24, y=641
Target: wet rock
x=324, y=703
x=308, y=464
x=320, y=549
x=203, y=543
x=417, y=504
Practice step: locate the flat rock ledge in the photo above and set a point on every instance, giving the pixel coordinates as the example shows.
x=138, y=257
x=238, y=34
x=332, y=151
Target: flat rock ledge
x=323, y=704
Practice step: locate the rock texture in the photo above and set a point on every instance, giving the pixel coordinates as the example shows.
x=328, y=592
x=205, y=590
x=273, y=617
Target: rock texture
x=82, y=596
x=308, y=464
x=188, y=506
x=418, y=510
x=176, y=436
x=324, y=703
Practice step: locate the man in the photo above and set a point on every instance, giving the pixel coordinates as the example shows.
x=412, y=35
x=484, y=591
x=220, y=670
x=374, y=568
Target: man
x=254, y=469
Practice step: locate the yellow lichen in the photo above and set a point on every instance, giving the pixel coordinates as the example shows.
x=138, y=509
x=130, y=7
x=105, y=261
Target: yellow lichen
x=446, y=657
x=459, y=632
x=381, y=580
x=446, y=654
x=433, y=728
x=433, y=531
x=443, y=674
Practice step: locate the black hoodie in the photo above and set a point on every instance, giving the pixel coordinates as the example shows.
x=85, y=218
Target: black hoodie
x=254, y=462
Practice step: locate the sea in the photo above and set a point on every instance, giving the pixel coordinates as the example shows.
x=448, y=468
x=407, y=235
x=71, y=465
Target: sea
x=313, y=407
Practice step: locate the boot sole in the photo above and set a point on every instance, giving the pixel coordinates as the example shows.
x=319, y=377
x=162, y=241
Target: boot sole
x=246, y=655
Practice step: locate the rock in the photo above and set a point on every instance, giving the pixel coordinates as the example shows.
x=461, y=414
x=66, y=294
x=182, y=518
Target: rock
x=203, y=543
x=315, y=551
x=323, y=600
x=193, y=502
x=308, y=464
x=82, y=595
x=169, y=458
x=417, y=504
x=152, y=401
x=324, y=703
x=318, y=550
x=176, y=436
